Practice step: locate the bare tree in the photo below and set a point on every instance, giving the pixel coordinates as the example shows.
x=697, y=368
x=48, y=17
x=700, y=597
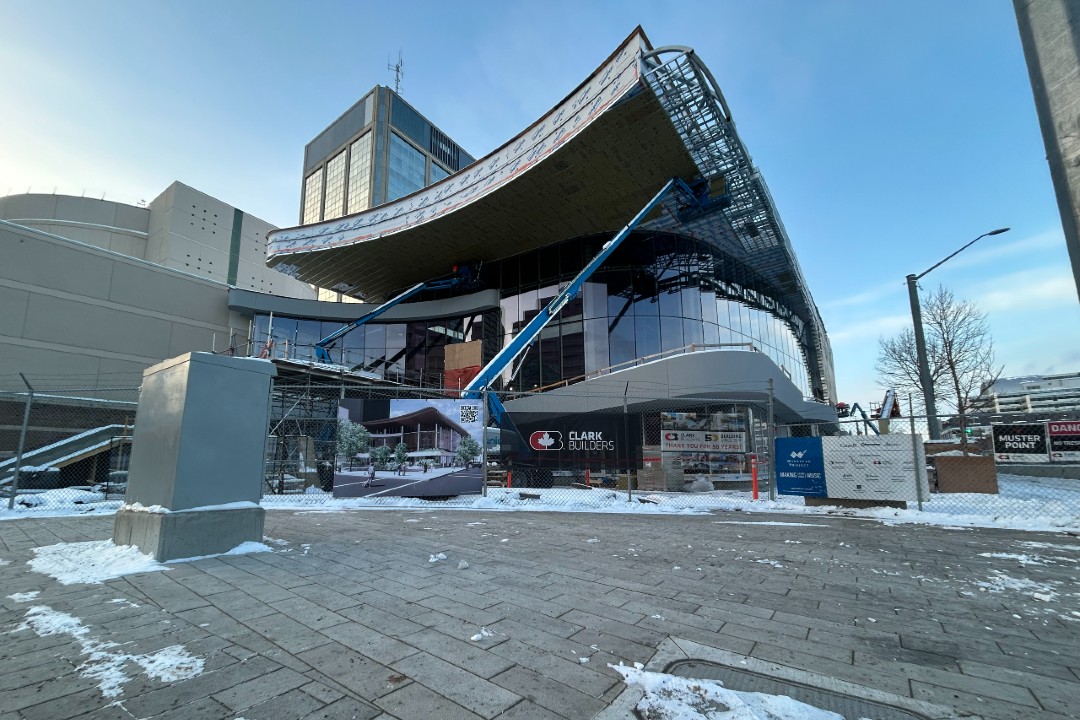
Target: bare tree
x=959, y=349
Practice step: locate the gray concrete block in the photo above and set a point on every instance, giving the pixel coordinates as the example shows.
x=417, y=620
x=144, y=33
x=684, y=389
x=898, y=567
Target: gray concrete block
x=368, y=642
x=360, y=675
x=188, y=533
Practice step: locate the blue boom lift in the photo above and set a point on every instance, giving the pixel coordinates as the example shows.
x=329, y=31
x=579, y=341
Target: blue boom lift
x=691, y=200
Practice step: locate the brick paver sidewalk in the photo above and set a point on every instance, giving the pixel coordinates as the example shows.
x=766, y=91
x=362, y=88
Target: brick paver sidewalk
x=351, y=620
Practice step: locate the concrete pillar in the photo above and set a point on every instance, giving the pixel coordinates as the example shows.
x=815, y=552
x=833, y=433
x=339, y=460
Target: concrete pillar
x=197, y=460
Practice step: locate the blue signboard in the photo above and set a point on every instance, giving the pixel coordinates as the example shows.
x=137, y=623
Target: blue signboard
x=800, y=467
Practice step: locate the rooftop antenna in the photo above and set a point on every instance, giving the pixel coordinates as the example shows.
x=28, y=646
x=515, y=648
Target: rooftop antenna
x=399, y=72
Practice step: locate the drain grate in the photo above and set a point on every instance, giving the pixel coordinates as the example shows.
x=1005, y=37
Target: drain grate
x=850, y=707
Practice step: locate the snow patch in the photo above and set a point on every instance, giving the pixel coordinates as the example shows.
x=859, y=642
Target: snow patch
x=244, y=548
x=668, y=697
x=91, y=562
x=168, y=665
x=1001, y=582
x=24, y=596
x=484, y=633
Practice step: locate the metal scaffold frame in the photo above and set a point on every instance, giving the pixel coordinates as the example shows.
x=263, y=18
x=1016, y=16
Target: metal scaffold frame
x=692, y=99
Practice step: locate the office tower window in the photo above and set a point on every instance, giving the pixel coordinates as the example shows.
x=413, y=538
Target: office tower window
x=335, y=187
x=313, y=197
x=438, y=173
x=360, y=174
x=408, y=168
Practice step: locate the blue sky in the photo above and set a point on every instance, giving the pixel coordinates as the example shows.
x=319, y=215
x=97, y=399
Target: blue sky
x=890, y=133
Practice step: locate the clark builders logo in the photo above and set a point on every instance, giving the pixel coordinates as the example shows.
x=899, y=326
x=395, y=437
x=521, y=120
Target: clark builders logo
x=546, y=440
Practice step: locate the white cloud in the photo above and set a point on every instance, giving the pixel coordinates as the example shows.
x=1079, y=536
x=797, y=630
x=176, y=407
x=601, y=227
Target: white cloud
x=868, y=331
x=1035, y=289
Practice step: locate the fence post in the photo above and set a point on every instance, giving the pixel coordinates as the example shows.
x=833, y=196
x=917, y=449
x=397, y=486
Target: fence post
x=22, y=443
x=626, y=435
x=771, y=450
x=483, y=442
x=915, y=452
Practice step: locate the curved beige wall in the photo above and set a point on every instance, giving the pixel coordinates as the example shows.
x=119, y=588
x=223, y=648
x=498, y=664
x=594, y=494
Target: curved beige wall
x=102, y=223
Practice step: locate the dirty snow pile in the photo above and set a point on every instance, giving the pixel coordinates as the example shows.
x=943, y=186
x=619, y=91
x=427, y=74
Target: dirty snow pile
x=668, y=697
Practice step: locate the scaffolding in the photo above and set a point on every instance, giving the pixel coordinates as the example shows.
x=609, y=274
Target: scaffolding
x=747, y=215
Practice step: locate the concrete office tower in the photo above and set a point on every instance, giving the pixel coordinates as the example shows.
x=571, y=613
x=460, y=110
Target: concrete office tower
x=1050, y=34
x=380, y=149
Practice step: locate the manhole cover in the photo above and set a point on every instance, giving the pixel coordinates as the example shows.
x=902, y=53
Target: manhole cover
x=850, y=707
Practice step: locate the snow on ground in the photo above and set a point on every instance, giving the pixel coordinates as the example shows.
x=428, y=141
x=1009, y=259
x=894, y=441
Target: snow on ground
x=1024, y=503
x=91, y=562
x=96, y=561
x=22, y=597
x=103, y=664
x=668, y=697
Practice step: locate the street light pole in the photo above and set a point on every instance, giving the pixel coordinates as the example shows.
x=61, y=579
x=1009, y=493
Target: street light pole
x=924, y=362
x=920, y=340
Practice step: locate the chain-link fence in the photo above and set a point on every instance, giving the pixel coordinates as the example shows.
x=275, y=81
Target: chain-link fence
x=67, y=449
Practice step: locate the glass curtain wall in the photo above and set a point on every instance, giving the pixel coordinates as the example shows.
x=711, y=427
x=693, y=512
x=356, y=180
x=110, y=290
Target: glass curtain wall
x=313, y=187
x=408, y=168
x=656, y=294
x=360, y=174
x=334, y=205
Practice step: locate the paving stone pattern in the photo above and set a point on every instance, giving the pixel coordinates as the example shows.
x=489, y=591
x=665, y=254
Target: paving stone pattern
x=351, y=620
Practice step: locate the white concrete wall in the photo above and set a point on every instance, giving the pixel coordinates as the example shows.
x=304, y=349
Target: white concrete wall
x=192, y=232
x=78, y=316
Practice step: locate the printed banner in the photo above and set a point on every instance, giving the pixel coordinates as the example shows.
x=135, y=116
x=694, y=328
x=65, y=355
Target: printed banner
x=410, y=448
x=702, y=441
x=852, y=467
x=800, y=467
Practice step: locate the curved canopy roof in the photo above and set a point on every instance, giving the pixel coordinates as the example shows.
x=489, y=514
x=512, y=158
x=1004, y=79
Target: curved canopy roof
x=587, y=166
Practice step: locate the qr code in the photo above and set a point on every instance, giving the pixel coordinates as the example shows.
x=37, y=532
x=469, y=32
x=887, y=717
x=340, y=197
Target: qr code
x=470, y=413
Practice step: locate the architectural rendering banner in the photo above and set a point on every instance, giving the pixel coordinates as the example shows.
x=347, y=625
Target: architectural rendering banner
x=1020, y=443
x=414, y=448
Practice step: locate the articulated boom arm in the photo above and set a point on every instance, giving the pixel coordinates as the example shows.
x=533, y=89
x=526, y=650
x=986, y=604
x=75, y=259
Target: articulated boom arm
x=531, y=331
x=463, y=275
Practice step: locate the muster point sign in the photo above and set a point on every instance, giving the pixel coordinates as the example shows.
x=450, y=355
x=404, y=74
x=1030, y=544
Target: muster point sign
x=1021, y=443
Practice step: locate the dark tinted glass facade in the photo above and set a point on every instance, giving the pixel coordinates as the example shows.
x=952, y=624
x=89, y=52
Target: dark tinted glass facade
x=411, y=353
x=657, y=294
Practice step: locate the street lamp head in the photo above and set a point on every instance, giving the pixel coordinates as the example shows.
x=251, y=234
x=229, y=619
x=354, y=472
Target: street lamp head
x=998, y=231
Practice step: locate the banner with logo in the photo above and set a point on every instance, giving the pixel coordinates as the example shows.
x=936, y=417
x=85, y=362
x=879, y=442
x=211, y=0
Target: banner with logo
x=1020, y=443
x=578, y=441
x=851, y=467
x=702, y=441
x=800, y=467
x=1064, y=437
